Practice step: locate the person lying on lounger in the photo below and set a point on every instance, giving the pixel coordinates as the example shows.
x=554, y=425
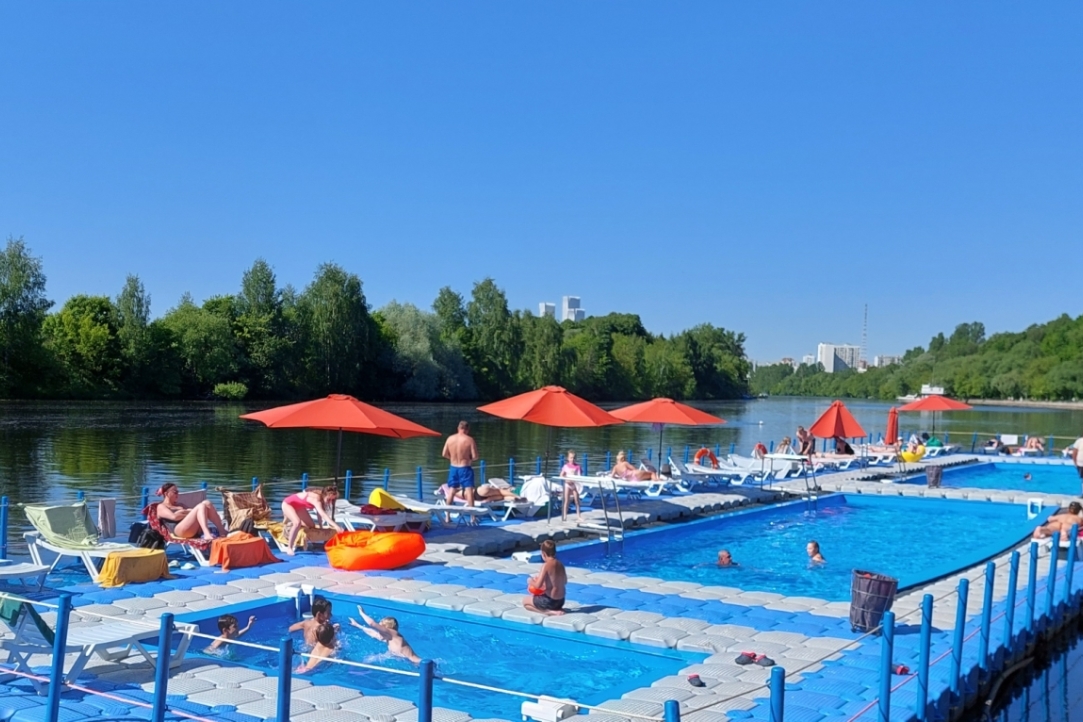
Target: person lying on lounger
x=623, y=470
x=487, y=492
x=1061, y=522
x=188, y=523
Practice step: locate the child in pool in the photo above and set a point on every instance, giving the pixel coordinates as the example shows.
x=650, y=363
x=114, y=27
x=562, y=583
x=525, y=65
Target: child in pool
x=321, y=614
x=386, y=630
x=230, y=629
x=324, y=648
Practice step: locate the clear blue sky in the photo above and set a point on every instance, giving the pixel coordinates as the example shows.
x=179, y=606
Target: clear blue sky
x=769, y=168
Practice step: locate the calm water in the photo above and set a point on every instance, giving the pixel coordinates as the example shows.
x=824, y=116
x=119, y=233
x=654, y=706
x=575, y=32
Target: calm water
x=49, y=451
x=474, y=649
x=1043, y=478
x=770, y=544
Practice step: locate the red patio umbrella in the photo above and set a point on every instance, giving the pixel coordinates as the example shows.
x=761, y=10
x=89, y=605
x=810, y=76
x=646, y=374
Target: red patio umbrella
x=665, y=411
x=892, y=435
x=836, y=421
x=343, y=413
x=935, y=402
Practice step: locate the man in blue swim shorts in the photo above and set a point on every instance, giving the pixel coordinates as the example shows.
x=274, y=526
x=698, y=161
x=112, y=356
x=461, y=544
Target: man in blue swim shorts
x=462, y=452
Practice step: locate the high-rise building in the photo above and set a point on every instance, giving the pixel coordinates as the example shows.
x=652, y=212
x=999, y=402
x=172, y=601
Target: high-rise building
x=808, y=359
x=570, y=310
x=886, y=360
x=837, y=357
x=547, y=309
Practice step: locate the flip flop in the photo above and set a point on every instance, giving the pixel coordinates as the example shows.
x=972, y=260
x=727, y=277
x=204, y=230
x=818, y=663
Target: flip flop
x=764, y=661
x=746, y=658
x=695, y=681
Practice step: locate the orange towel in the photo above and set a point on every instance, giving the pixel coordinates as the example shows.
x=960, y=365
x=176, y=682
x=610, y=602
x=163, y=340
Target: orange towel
x=237, y=551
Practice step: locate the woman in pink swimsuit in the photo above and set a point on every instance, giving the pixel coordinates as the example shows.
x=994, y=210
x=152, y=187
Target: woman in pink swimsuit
x=571, y=489
x=296, y=508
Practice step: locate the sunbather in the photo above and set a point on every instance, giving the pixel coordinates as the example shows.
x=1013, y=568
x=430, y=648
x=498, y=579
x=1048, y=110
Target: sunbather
x=623, y=470
x=1034, y=443
x=571, y=489
x=295, y=509
x=785, y=447
x=188, y=523
x=386, y=630
x=842, y=447
x=485, y=492
x=324, y=648
x=1061, y=522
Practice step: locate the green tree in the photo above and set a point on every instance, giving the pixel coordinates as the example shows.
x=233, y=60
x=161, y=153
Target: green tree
x=717, y=358
x=338, y=332
x=668, y=373
x=493, y=343
x=544, y=361
x=261, y=331
x=449, y=309
x=203, y=341
x=23, y=306
x=134, y=336
x=83, y=337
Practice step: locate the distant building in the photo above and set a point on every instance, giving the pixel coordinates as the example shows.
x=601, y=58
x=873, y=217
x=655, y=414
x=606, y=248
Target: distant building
x=886, y=360
x=788, y=361
x=808, y=359
x=570, y=310
x=837, y=357
x=547, y=309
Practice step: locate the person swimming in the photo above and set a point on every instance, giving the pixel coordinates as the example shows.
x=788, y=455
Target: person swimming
x=814, y=556
x=725, y=559
x=387, y=631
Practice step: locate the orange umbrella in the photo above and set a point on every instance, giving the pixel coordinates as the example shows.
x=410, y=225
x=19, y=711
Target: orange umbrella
x=551, y=406
x=836, y=421
x=341, y=412
x=665, y=411
x=892, y=435
x=935, y=402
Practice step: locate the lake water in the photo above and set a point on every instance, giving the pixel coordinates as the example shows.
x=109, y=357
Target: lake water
x=50, y=451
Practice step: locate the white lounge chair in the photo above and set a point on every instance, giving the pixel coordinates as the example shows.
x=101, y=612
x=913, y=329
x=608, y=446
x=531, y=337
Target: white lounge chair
x=690, y=478
x=109, y=639
x=351, y=516
x=67, y=531
x=23, y=572
x=463, y=514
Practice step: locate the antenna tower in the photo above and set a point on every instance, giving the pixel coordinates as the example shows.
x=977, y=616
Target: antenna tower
x=863, y=360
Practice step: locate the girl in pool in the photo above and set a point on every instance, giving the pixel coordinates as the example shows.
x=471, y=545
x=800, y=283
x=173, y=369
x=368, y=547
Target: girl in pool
x=296, y=507
x=815, y=558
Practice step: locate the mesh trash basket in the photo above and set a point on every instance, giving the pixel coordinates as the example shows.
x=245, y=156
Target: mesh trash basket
x=871, y=595
x=934, y=474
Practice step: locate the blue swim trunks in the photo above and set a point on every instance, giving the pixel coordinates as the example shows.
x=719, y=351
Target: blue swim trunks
x=460, y=476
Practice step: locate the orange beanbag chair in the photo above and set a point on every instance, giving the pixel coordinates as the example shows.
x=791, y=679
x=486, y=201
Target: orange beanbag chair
x=360, y=550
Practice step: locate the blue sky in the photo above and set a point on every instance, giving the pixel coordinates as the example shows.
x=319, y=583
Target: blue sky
x=769, y=168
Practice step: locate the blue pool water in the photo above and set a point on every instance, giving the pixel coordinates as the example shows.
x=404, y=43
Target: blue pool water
x=465, y=647
x=913, y=540
x=1044, y=478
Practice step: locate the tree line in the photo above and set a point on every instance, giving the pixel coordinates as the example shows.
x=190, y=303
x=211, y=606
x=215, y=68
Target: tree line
x=270, y=342
x=1044, y=362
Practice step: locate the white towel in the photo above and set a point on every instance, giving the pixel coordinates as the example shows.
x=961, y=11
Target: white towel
x=107, y=518
x=535, y=490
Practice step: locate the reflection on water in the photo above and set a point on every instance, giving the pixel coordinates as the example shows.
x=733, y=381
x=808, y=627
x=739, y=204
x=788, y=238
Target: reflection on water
x=49, y=451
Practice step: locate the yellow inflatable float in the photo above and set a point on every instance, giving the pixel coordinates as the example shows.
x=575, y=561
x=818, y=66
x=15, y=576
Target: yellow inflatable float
x=912, y=456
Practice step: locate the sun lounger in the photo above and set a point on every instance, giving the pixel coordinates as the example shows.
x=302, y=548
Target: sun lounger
x=352, y=516
x=463, y=514
x=67, y=530
x=24, y=573
x=109, y=639
x=690, y=478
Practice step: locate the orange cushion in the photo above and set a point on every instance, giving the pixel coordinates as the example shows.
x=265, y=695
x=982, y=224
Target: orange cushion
x=241, y=550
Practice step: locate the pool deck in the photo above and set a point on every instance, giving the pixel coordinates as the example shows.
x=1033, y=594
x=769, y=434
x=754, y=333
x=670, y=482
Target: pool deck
x=832, y=672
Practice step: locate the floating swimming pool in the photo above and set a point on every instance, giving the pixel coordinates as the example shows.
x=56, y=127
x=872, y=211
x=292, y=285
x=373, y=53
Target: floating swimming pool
x=913, y=540
x=520, y=657
x=1044, y=478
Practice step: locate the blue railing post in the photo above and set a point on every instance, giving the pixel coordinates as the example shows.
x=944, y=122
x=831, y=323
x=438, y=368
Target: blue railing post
x=771, y=447
x=1051, y=583
x=203, y=485
x=923, y=656
x=424, y=699
x=650, y=454
x=511, y=470
x=959, y=635
x=387, y=478
x=1009, y=612
x=669, y=452
x=60, y=645
x=974, y=442
x=285, y=679
x=586, y=465
x=887, y=651
x=1049, y=447
x=1032, y=590
x=420, y=485
x=539, y=470
x=778, y=694
x=687, y=450
x=145, y=500
x=672, y=711
x=304, y=481
x=733, y=447
x=4, y=527
x=481, y=470
x=255, y=482
x=986, y=619
x=161, y=668
x=1073, y=536
x=609, y=459
x=80, y=495
x=718, y=449
x=348, y=485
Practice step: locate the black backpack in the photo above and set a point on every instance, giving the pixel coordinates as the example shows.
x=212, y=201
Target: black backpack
x=150, y=539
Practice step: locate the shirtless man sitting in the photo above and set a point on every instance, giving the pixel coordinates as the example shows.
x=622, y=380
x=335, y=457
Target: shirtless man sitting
x=547, y=587
x=462, y=452
x=1061, y=522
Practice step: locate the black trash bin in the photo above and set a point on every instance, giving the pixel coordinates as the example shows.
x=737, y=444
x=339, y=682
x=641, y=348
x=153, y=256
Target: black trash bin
x=934, y=475
x=871, y=595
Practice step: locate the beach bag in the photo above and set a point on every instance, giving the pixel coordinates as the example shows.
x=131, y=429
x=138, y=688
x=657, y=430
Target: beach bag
x=871, y=595
x=151, y=539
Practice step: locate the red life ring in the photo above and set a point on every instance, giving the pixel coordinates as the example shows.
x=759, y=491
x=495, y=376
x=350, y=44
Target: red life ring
x=759, y=449
x=706, y=453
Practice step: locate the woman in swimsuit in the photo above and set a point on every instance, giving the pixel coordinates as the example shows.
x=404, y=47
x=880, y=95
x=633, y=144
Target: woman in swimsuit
x=296, y=507
x=623, y=470
x=188, y=522
x=571, y=489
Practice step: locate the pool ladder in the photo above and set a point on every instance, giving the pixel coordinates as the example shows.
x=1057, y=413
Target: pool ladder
x=811, y=496
x=612, y=530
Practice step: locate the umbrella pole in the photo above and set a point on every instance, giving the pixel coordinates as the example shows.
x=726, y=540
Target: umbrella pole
x=338, y=457
x=661, y=430
x=545, y=474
